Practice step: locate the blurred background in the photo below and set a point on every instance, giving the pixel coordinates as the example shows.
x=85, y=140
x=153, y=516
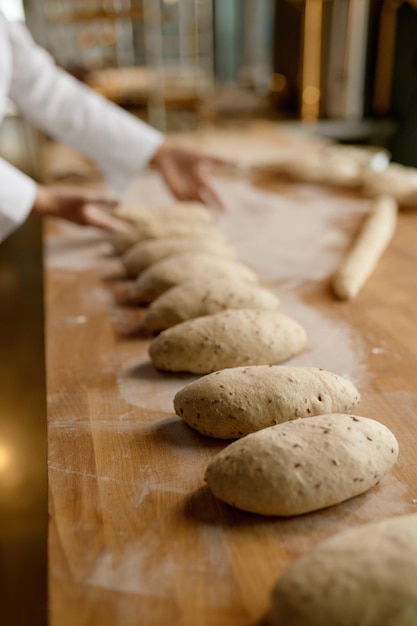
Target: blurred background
x=347, y=69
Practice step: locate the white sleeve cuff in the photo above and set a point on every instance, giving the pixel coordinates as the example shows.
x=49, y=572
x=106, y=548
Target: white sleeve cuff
x=17, y=196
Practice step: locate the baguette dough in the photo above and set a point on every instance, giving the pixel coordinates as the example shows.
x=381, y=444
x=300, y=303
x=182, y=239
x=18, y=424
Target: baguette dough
x=303, y=465
x=365, y=575
x=141, y=255
x=237, y=401
x=195, y=298
x=227, y=339
x=178, y=268
x=362, y=258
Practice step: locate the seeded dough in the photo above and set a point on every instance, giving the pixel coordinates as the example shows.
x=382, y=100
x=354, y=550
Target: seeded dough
x=237, y=401
x=227, y=339
x=164, y=274
x=144, y=253
x=195, y=298
x=303, y=465
x=366, y=251
x=362, y=576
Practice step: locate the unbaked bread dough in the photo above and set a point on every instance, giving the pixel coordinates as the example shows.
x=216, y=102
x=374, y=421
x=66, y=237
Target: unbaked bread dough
x=325, y=168
x=227, y=339
x=142, y=254
x=303, y=465
x=195, y=298
x=162, y=275
x=365, y=575
x=361, y=259
x=396, y=180
x=235, y=402
x=157, y=221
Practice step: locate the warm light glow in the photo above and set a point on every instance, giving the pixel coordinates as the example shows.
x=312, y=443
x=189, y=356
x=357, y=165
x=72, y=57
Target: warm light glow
x=4, y=458
x=311, y=94
x=313, y=22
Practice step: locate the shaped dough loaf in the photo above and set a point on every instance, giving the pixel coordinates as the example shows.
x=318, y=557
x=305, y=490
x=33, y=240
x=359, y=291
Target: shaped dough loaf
x=196, y=298
x=158, y=221
x=371, y=242
x=178, y=268
x=397, y=181
x=241, y=400
x=303, y=465
x=365, y=575
x=227, y=339
x=145, y=253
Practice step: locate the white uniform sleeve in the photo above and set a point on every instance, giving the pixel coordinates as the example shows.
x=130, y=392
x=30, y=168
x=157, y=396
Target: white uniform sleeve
x=17, y=195
x=64, y=108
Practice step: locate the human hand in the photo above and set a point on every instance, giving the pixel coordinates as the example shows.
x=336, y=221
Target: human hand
x=182, y=170
x=86, y=207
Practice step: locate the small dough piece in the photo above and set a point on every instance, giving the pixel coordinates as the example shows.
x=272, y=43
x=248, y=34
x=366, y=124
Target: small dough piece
x=227, y=339
x=369, y=246
x=365, y=575
x=303, y=465
x=195, y=298
x=396, y=180
x=237, y=401
x=164, y=274
x=144, y=253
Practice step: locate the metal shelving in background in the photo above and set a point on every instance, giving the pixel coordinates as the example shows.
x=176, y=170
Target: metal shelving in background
x=153, y=56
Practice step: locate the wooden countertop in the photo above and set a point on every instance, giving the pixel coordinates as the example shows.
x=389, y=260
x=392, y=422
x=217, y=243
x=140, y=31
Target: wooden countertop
x=135, y=537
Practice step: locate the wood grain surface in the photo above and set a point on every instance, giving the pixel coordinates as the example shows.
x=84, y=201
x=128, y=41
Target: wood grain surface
x=135, y=537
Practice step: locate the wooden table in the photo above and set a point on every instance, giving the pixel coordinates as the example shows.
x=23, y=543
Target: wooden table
x=135, y=537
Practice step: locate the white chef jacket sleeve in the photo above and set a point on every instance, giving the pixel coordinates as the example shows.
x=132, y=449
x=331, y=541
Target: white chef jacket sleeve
x=17, y=195
x=64, y=108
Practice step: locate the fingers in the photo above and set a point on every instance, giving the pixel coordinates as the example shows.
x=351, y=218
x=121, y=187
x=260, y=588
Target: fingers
x=67, y=197
x=96, y=216
x=99, y=199
x=207, y=193
x=176, y=180
x=216, y=160
x=189, y=183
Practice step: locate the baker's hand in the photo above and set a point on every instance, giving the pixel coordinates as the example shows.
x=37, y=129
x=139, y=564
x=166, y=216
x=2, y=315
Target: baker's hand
x=183, y=171
x=86, y=207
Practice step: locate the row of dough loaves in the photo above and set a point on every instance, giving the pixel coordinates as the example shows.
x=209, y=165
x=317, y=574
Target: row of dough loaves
x=299, y=448
x=209, y=308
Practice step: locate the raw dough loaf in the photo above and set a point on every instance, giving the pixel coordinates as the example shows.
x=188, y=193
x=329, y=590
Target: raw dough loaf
x=366, y=251
x=237, y=401
x=365, y=575
x=325, y=168
x=178, y=268
x=195, y=298
x=144, y=253
x=303, y=465
x=397, y=181
x=157, y=221
x=227, y=339
x=154, y=217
